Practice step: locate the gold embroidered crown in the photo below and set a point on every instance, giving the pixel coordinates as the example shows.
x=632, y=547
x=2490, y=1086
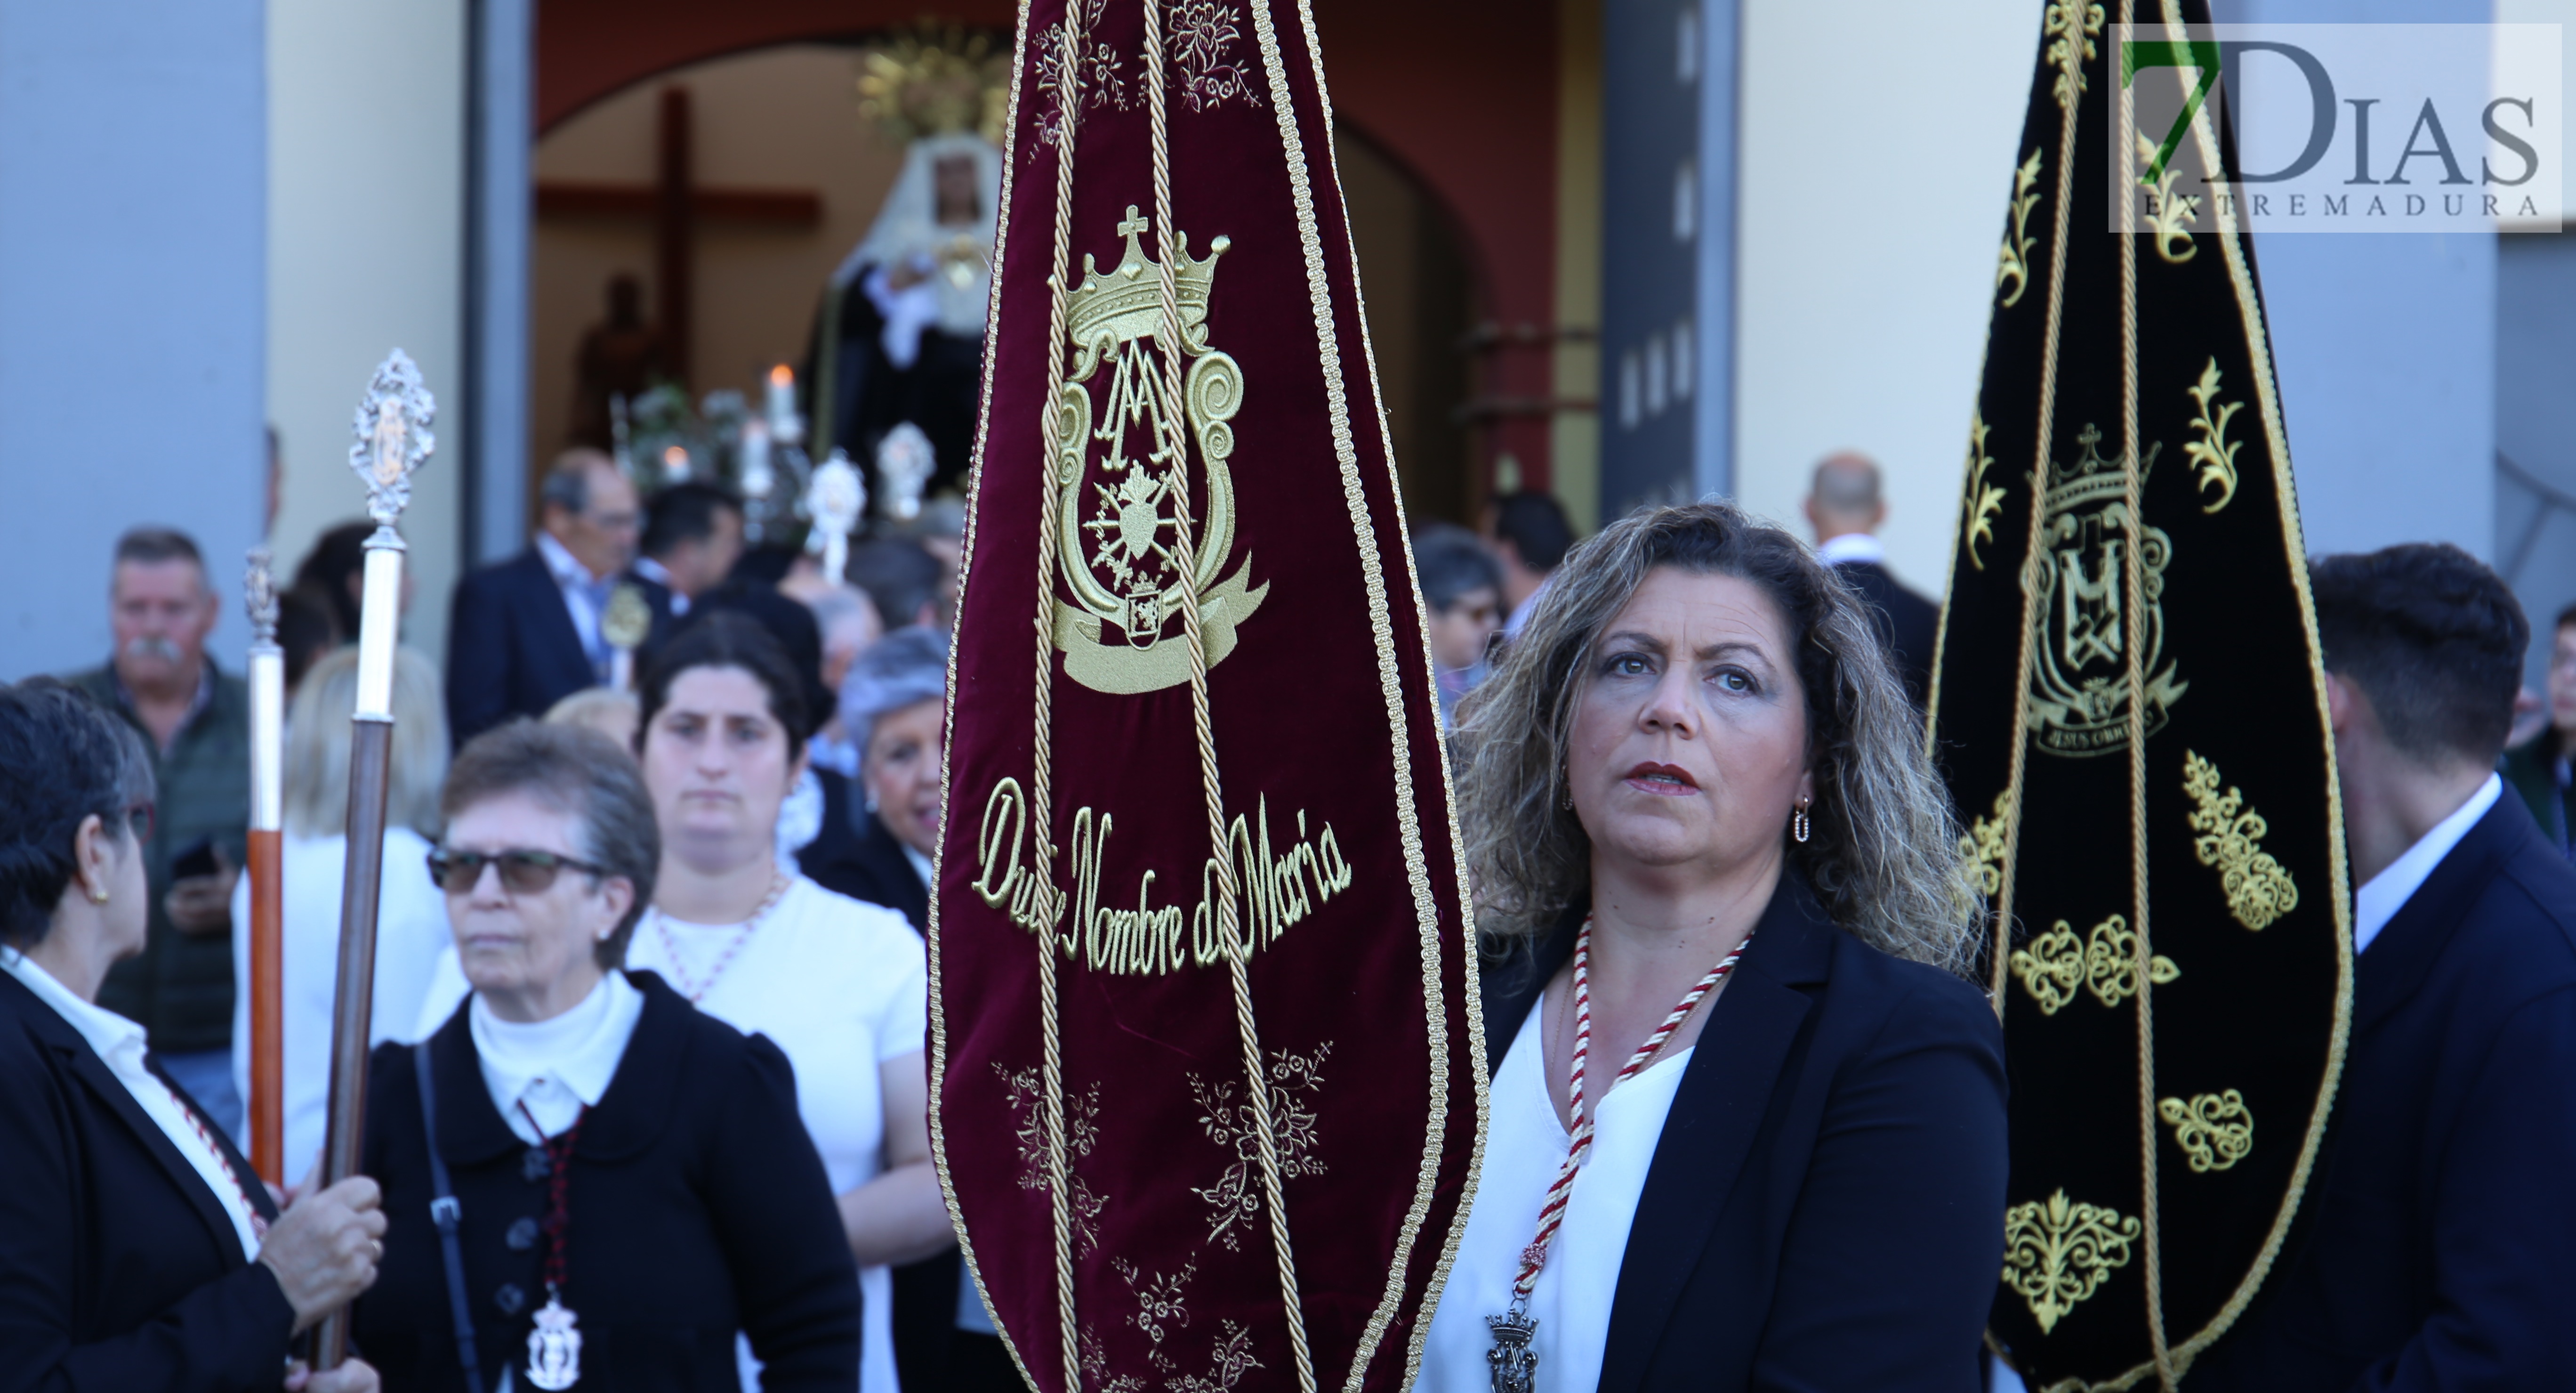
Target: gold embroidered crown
x=2091, y=478
x=1127, y=302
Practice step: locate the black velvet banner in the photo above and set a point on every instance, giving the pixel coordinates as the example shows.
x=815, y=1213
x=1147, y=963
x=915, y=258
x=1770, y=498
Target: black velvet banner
x=2129, y=709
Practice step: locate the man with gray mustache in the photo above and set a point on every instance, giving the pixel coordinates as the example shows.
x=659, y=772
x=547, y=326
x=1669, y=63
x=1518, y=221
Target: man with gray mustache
x=195, y=718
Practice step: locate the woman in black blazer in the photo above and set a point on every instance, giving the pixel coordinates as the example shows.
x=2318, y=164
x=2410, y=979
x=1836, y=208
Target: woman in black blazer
x=1726, y=895
x=138, y=1251
x=658, y=1194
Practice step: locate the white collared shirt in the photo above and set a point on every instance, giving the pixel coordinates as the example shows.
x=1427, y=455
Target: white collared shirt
x=119, y=1044
x=2378, y=901
x=660, y=575
x=1852, y=548
x=579, y=587
x=559, y=1066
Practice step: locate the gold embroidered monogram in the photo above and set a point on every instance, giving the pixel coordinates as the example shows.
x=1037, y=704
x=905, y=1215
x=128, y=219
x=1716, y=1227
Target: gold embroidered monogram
x=2070, y=28
x=2015, y=264
x=2213, y=454
x=1125, y=481
x=2214, y=1129
x=2168, y=215
x=2056, y=965
x=1275, y=889
x=2079, y=674
x=1227, y=1116
x=2057, y=1254
x=1984, y=500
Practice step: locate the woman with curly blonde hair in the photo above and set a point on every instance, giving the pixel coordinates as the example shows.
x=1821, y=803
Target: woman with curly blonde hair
x=1747, y=1120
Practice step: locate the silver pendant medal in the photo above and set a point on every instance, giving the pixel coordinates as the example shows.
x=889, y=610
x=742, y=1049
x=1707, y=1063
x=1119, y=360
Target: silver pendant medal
x=1511, y=1363
x=554, y=1347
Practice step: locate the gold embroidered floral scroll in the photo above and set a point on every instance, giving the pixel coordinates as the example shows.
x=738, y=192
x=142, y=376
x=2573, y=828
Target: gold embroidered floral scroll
x=1226, y=1115
x=2259, y=888
x=1081, y=1132
x=2057, y=1254
x=2213, y=454
x=1984, y=500
x=2014, y=266
x=2168, y=214
x=2215, y=1130
x=2056, y=965
x=2070, y=28
x=1981, y=848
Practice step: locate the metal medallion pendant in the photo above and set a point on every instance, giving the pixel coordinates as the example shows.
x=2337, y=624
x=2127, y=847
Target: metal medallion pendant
x=554, y=1347
x=1512, y=1364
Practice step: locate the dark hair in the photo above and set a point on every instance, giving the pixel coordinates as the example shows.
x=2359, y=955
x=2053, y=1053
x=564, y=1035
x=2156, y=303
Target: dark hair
x=150, y=546
x=2432, y=637
x=684, y=513
x=762, y=565
x=2566, y=617
x=726, y=637
x=1536, y=526
x=578, y=772
x=1451, y=564
x=899, y=575
x=339, y=556
x=63, y=759
x=308, y=628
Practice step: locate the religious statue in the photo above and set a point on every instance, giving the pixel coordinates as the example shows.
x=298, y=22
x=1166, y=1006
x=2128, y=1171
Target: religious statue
x=900, y=335
x=620, y=358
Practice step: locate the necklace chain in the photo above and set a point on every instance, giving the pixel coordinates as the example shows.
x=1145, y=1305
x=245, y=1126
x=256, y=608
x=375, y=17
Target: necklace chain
x=1551, y=1216
x=696, y=991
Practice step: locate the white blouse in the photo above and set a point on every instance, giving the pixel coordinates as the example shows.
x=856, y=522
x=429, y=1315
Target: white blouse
x=555, y=1067
x=1524, y=1148
x=119, y=1044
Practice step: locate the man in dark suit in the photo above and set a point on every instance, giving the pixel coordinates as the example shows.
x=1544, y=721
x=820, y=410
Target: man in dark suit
x=1845, y=508
x=2433, y=1249
x=526, y=632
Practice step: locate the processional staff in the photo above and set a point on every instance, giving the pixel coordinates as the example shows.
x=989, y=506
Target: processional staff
x=267, y=893
x=393, y=440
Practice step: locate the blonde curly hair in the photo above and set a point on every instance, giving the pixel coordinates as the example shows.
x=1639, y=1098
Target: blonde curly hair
x=1884, y=855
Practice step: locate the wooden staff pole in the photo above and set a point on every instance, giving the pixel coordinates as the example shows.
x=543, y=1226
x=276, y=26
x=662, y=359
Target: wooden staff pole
x=393, y=439
x=267, y=893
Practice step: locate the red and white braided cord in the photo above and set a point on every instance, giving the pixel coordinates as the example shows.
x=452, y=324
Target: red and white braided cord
x=1551, y=1216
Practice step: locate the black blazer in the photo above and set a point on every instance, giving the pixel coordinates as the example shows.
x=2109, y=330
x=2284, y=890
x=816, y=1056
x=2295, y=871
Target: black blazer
x=119, y=1269
x=2434, y=1253
x=698, y=1207
x=1825, y=1209
x=512, y=649
x=1908, y=622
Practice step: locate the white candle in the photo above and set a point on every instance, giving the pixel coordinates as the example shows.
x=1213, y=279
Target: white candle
x=782, y=403
x=675, y=465
x=757, y=480
x=267, y=736
x=379, y=611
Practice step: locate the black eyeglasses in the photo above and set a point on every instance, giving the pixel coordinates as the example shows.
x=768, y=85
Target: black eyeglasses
x=522, y=872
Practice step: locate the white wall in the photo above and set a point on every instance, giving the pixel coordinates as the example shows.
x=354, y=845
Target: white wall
x=1877, y=161
x=131, y=160
x=366, y=216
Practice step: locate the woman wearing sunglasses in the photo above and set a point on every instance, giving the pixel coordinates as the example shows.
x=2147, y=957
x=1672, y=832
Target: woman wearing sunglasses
x=843, y=987
x=592, y=1184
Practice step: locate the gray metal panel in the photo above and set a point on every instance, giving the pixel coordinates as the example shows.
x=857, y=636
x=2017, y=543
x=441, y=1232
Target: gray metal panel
x=500, y=142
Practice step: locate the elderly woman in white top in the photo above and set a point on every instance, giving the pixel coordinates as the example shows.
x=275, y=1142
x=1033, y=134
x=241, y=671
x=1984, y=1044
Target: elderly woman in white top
x=411, y=919
x=137, y=1250
x=631, y=1182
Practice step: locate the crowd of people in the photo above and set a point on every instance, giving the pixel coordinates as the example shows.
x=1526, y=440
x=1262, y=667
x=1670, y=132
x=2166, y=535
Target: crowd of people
x=649, y=1101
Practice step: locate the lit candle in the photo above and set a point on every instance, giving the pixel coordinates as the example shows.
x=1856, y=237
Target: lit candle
x=675, y=465
x=757, y=480
x=782, y=404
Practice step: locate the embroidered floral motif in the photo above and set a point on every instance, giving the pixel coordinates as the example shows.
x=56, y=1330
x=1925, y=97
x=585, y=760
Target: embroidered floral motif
x=2216, y=1130
x=2057, y=1254
x=1981, y=848
x=2259, y=889
x=2171, y=215
x=1203, y=35
x=2070, y=27
x=1096, y=67
x=2015, y=263
x=1226, y=1114
x=1160, y=1300
x=1082, y=1133
x=1095, y=1369
x=1984, y=500
x=2213, y=454
x=2055, y=965
x=1231, y=1360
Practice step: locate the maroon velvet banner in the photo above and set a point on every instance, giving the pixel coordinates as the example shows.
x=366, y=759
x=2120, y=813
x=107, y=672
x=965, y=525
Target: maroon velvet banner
x=1206, y=1069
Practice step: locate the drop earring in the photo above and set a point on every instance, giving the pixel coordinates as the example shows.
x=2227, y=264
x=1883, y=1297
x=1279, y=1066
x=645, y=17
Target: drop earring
x=1798, y=826
x=98, y=896
x=1565, y=789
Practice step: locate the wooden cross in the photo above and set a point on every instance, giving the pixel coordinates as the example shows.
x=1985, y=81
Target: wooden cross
x=676, y=206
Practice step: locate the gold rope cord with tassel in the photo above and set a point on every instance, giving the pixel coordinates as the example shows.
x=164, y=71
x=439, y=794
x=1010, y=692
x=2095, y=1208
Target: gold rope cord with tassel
x=1237, y=953
x=1068, y=105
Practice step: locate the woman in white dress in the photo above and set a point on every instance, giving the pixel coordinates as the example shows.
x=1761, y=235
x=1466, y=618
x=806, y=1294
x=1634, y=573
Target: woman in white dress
x=411, y=916
x=841, y=987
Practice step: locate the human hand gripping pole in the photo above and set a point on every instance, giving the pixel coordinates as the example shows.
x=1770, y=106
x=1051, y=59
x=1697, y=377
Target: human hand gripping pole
x=393, y=440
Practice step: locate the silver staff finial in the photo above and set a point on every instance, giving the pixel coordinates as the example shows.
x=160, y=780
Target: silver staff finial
x=393, y=438
x=259, y=598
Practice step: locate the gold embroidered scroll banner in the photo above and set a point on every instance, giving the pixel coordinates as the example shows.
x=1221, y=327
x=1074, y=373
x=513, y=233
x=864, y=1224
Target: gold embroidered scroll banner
x=2129, y=708
x=1206, y=1068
